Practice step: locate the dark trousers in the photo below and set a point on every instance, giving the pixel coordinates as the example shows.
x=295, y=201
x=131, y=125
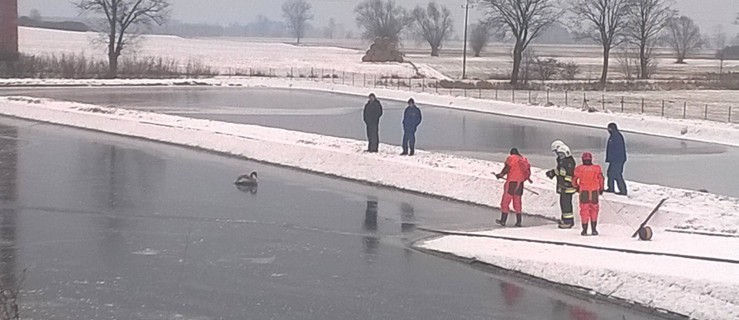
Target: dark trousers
x=409, y=141
x=616, y=174
x=373, y=136
x=565, y=205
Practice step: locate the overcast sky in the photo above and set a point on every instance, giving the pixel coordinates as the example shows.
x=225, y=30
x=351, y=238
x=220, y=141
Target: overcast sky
x=707, y=13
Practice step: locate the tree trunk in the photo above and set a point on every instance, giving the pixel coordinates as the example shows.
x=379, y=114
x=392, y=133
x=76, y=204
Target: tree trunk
x=112, y=65
x=643, y=63
x=517, y=57
x=434, y=51
x=606, y=57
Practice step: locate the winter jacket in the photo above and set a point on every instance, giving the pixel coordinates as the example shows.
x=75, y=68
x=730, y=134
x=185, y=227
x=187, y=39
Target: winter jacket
x=411, y=118
x=564, y=172
x=616, y=148
x=372, y=112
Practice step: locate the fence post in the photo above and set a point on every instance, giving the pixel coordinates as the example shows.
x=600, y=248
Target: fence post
x=496, y=93
x=513, y=95
x=410, y=84
x=398, y=83
x=642, y=105
x=584, y=98
x=291, y=73
x=567, y=102
x=663, y=107
x=352, y=79
x=465, y=92
x=547, y=96
x=729, y=114
x=705, y=113
x=333, y=72
x=685, y=109
x=322, y=72
x=343, y=76
x=603, y=101
x=423, y=84
x=479, y=93
x=622, y=104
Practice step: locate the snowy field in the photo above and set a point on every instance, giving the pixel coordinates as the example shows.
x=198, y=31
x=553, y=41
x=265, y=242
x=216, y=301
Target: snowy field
x=229, y=55
x=665, y=288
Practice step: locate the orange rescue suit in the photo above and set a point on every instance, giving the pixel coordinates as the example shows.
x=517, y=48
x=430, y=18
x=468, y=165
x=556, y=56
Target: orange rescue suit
x=589, y=181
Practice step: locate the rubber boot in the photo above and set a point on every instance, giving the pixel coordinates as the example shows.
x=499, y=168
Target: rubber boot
x=584, y=229
x=594, y=224
x=502, y=220
x=518, y=220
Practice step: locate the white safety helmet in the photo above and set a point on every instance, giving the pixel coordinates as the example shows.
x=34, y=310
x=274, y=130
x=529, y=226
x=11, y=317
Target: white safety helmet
x=560, y=147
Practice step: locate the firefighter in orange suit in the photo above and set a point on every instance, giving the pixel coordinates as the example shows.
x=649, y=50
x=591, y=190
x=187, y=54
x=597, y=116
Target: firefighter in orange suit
x=589, y=182
x=517, y=170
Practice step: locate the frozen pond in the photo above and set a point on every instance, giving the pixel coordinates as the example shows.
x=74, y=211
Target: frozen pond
x=664, y=161
x=114, y=228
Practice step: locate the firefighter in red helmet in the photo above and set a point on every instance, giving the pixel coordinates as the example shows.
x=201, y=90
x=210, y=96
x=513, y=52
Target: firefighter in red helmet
x=589, y=182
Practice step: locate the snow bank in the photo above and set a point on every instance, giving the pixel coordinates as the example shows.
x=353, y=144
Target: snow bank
x=698, y=289
x=454, y=177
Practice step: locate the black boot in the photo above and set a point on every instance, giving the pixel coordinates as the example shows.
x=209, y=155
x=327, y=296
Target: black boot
x=518, y=219
x=593, y=224
x=502, y=220
x=584, y=229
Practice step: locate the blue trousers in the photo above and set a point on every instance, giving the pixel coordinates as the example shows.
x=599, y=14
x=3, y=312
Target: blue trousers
x=616, y=174
x=409, y=141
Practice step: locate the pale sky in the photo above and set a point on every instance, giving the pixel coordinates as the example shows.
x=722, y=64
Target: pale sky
x=707, y=13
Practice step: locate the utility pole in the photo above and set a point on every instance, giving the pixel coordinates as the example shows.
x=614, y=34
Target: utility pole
x=466, y=7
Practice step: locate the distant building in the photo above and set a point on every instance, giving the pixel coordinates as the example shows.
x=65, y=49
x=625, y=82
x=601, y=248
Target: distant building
x=8, y=30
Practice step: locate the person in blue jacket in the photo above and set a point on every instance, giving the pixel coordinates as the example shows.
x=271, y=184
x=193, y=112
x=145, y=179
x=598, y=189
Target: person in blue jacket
x=616, y=158
x=411, y=119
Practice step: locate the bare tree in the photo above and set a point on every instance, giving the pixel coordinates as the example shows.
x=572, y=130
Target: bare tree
x=719, y=43
x=330, y=30
x=380, y=18
x=479, y=37
x=647, y=20
x=122, y=22
x=602, y=21
x=524, y=20
x=433, y=24
x=35, y=15
x=297, y=13
x=684, y=36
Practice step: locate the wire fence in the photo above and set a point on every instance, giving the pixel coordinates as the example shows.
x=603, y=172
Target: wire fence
x=595, y=101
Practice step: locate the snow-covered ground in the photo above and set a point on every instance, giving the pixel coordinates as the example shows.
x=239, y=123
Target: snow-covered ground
x=227, y=56
x=696, y=288
x=703, y=289
x=230, y=55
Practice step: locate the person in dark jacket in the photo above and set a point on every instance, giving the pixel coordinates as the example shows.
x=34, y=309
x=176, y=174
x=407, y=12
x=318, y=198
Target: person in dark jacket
x=616, y=158
x=564, y=173
x=372, y=114
x=411, y=119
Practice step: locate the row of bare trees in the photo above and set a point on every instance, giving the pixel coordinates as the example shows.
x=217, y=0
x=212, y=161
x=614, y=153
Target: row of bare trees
x=638, y=24
x=386, y=19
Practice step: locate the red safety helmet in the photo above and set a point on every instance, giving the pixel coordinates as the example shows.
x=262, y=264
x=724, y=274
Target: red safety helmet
x=587, y=156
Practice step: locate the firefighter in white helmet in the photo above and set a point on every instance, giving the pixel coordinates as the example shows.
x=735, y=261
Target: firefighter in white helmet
x=564, y=173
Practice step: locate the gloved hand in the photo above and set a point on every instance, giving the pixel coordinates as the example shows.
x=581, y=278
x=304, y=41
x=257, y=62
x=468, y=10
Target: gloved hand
x=550, y=174
x=498, y=175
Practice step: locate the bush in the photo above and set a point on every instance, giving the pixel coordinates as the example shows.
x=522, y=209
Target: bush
x=72, y=66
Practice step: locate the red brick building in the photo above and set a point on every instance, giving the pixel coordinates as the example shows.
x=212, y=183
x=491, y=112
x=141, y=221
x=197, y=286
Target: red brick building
x=8, y=30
